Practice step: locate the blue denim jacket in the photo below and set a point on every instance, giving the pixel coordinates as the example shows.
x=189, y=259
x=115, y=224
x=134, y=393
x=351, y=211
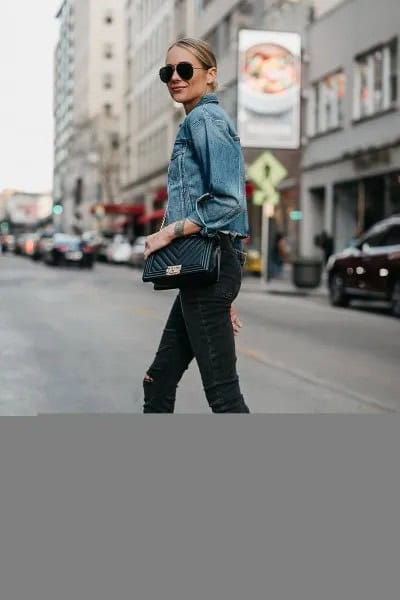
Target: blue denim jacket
x=206, y=173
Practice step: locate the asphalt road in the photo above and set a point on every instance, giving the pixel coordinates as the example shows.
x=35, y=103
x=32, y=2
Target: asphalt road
x=80, y=341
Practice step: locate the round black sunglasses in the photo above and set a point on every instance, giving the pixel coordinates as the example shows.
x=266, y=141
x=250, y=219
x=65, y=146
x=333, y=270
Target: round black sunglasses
x=184, y=69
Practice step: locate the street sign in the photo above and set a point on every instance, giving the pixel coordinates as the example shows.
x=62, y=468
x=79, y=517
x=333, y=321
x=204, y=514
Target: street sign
x=296, y=215
x=260, y=197
x=266, y=171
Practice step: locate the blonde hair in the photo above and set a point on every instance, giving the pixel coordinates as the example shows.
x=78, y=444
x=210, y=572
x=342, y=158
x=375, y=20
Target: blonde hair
x=201, y=50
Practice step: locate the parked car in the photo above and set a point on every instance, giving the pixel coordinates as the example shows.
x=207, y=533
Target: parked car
x=69, y=249
x=7, y=242
x=24, y=243
x=29, y=245
x=94, y=239
x=137, y=259
x=101, y=253
x=253, y=263
x=42, y=245
x=19, y=246
x=119, y=251
x=370, y=269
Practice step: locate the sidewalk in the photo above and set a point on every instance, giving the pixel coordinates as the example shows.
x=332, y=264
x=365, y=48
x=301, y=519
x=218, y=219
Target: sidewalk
x=282, y=286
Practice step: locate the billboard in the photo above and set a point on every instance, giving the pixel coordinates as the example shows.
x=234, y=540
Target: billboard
x=27, y=209
x=269, y=81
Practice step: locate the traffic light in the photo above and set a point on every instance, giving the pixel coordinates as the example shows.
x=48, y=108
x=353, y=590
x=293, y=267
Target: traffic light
x=58, y=209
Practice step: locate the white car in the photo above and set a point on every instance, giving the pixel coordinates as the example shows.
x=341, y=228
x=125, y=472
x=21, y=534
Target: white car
x=119, y=251
x=137, y=258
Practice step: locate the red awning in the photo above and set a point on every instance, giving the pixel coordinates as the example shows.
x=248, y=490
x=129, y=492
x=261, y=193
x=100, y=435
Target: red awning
x=120, y=209
x=124, y=209
x=161, y=194
x=153, y=216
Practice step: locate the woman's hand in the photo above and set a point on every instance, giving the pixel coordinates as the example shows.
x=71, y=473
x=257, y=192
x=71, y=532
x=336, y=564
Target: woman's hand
x=158, y=240
x=236, y=323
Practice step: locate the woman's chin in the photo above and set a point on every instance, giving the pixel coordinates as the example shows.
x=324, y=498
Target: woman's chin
x=178, y=96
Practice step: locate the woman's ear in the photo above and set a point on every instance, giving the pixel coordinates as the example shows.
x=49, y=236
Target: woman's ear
x=211, y=75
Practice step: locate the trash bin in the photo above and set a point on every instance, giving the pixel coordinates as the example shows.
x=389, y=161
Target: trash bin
x=306, y=272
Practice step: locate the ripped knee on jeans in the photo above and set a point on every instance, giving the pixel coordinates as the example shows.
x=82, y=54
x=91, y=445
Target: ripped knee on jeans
x=148, y=379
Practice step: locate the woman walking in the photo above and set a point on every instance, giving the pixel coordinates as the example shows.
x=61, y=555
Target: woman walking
x=206, y=195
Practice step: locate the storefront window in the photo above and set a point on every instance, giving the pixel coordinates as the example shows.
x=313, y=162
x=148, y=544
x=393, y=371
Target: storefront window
x=394, y=193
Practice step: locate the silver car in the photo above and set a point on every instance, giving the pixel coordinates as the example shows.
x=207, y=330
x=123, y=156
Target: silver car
x=137, y=259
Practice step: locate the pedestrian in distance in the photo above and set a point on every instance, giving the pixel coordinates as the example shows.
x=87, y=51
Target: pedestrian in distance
x=325, y=241
x=206, y=196
x=279, y=255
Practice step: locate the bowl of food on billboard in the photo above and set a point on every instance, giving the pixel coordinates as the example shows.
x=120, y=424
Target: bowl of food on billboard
x=270, y=78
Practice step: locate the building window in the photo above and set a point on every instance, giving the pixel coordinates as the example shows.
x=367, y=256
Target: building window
x=78, y=191
x=128, y=117
x=375, y=81
x=225, y=35
x=108, y=18
x=393, y=72
x=325, y=104
x=108, y=50
x=107, y=81
x=114, y=141
x=108, y=110
x=129, y=32
x=128, y=163
x=212, y=39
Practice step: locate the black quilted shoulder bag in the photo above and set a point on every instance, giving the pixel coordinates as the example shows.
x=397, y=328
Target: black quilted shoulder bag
x=187, y=261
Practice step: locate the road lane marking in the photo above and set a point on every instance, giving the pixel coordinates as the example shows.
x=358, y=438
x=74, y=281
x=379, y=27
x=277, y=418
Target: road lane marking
x=261, y=358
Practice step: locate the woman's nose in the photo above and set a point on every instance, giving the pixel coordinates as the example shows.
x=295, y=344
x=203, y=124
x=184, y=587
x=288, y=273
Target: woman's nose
x=175, y=76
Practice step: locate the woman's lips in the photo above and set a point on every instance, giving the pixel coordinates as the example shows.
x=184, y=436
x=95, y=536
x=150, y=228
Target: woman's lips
x=178, y=89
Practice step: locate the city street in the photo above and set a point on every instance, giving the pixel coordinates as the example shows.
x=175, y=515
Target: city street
x=79, y=341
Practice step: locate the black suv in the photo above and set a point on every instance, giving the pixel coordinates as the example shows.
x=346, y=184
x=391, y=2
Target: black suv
x=370, y=269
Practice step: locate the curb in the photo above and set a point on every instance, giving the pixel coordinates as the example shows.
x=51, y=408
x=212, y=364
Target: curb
x=298, y=293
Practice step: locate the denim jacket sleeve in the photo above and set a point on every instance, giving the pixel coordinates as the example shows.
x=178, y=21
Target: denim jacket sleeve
x=220, y=159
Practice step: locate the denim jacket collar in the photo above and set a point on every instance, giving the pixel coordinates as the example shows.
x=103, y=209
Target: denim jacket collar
x=208, y=98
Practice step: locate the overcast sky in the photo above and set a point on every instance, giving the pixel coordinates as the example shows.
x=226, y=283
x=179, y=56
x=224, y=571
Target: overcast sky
x=28, y=33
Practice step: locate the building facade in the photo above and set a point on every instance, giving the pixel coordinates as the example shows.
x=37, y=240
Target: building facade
x=87, y=107
x=148, y=113
x=351, y=161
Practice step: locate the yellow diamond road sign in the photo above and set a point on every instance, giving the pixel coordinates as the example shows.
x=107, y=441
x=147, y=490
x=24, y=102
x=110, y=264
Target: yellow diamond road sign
x=267, y=172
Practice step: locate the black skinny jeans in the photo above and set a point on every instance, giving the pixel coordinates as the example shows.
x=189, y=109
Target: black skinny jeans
x=199, y=326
